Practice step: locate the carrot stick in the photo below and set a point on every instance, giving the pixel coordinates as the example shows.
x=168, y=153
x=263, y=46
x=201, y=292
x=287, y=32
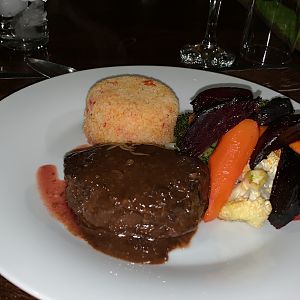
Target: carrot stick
x=262, y=129
x=227, y=163
x=295, y=146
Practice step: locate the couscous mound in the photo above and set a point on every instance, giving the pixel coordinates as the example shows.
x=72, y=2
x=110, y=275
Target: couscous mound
x=130, y=109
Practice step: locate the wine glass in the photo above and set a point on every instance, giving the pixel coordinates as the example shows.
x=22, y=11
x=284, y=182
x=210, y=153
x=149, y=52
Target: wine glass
x=208, y=54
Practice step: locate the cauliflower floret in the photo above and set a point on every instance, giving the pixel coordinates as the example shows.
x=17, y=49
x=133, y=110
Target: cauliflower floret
x=254, y=212
x=270, y=163
x=249, y=200
x=250, y=185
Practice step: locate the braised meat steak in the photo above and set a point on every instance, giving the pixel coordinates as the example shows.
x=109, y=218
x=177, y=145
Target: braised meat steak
x=136, y=202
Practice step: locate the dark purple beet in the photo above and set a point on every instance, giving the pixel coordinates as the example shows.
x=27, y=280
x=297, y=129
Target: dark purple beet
x=208, y=126
x=285, y=195
x=214, y=96
x=282, y=132
x=274, y=109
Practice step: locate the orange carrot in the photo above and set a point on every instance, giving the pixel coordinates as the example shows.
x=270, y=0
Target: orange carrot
x=227, y=163
x=295, y=146
x=262, y=129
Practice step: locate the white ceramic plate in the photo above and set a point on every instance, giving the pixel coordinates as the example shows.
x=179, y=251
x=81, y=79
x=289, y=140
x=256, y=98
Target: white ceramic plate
x=225, y=260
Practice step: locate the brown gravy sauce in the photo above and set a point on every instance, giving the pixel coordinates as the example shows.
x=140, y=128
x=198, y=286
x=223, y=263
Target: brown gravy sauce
x=136, y=250
x=52, y=191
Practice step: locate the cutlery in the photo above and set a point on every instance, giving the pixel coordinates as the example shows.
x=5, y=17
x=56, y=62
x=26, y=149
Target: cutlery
x=47, y=68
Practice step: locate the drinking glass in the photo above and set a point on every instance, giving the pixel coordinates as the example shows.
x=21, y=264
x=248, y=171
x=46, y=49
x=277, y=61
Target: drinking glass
x=23, y=24
x=208, y=54
x=271, y=31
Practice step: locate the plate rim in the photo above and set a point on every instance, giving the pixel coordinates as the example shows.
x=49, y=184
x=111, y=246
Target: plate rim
x=19, y=283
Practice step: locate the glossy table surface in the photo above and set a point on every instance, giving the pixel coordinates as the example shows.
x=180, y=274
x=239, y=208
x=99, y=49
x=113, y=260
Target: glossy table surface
x=101, y=33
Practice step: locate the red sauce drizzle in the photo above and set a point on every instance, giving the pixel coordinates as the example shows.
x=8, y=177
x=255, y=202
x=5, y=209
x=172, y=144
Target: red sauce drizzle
x=52, y=191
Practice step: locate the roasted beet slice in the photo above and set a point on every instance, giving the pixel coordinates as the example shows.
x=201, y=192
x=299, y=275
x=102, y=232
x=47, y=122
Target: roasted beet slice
x=208, y=126
x=285, y=195
x=282, y=132
x=274, y=109
x=214, y=96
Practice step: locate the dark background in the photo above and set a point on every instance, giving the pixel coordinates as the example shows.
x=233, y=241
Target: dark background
x=97, y=33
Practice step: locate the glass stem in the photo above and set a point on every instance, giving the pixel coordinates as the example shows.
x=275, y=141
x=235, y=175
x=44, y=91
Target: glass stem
x=210, y=38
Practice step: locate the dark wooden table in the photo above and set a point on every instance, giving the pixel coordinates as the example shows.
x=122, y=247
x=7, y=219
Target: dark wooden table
x=99, y=33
